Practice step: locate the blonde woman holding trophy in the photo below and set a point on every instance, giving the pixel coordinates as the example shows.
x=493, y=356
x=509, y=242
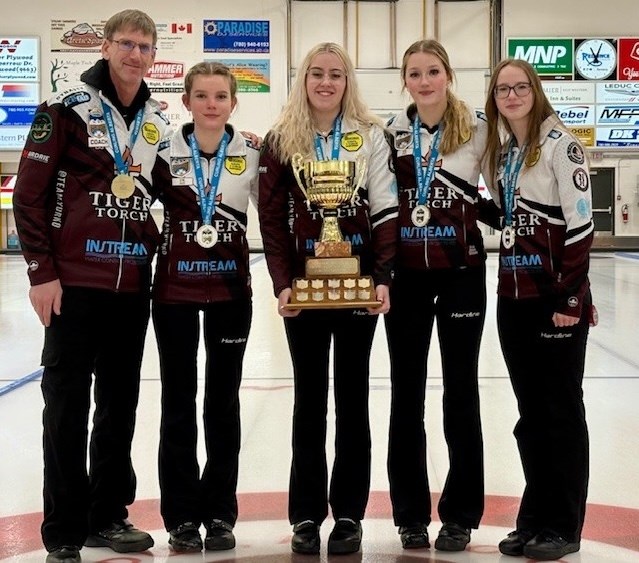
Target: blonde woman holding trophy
x=326, y=141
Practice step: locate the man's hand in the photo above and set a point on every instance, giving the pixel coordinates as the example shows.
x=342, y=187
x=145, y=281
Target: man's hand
x=45, y=298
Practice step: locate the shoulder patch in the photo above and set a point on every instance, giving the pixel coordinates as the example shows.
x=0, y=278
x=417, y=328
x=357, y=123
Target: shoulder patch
x=481, y=115
x=41, y=128
x=555, y=134
x=580, y=179
x=75, y=99
x=576, y=153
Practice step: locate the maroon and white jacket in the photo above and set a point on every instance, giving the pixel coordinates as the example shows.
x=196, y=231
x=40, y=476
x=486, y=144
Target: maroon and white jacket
x=552, y=218
x=290, y=230
x=452, y=238
x=187, y=272
x=71, y=226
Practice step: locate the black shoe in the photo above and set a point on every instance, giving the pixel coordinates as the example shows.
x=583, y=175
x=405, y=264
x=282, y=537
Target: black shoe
x=346, y=537
x=548, y=546
x=64, y=554
x=185, y=538
x=306, y=538
x=219, y=535
x=122, y=537
x=452, y=537
x=515, y=542
x=414, y=536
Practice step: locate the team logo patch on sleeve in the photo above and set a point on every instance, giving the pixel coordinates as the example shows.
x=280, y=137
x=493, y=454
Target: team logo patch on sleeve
x=41, y=128
x=580, y=179
x=352, y=142
x=236, y=165
x=576, y=153
x=150, y=133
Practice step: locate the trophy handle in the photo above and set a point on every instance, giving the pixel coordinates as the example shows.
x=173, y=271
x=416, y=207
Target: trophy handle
x=361, y=172
x=297, y=164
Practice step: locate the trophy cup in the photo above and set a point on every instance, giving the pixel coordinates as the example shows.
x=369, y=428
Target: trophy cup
x=332, y=277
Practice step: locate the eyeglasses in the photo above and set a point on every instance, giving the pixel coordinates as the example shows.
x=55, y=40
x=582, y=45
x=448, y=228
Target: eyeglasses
x=332, y=75
x=128, y=46
x=521, y=89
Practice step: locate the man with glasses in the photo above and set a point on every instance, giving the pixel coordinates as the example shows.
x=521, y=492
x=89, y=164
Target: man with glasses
x=82, y=205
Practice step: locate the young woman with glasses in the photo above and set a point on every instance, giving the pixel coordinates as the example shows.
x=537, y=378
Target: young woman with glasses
x=541, y=183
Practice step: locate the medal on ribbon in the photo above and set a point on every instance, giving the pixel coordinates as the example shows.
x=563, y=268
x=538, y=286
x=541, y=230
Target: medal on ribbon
x=206, y=235
x=122, y=185
x=509, y=182
x=421, y=213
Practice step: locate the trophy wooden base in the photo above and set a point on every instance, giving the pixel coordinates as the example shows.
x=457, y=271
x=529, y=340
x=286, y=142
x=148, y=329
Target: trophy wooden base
x=333, y=283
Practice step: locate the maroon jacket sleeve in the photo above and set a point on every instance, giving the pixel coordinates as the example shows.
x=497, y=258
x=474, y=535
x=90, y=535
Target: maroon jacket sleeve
x=34, y=197
x=273, y=212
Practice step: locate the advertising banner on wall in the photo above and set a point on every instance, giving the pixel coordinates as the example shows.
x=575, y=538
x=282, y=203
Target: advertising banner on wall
x=252, y=75
x=592, y=83
x=236, y=36
x=19, y=88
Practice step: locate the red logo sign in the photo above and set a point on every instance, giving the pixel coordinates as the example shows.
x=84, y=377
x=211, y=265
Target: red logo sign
x=628, y=55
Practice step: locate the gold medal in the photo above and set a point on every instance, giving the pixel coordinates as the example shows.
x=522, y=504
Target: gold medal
x=123, y=186
x=206, y=236
x=420, y=215
x=533, y=157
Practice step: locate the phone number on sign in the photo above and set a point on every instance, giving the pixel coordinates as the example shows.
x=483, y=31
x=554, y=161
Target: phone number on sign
x=250, y=44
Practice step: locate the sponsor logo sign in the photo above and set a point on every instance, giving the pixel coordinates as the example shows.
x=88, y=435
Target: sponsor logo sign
x=236, y=36
x=628, y=54
x=576, y=115
x=618, y=115
x=551, y=58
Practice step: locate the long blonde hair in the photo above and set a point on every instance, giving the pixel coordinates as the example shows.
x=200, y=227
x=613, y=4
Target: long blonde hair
x=458, y=119
x=294, y=130
x=540, y=111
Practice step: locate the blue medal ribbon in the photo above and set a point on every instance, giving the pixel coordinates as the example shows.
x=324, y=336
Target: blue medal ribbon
x=337, y=140
x=123, y=167
x=509, y=180
x=424, y=179
x=207, y=201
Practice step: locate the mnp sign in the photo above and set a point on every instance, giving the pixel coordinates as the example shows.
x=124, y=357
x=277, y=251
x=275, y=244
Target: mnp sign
x=551, y=57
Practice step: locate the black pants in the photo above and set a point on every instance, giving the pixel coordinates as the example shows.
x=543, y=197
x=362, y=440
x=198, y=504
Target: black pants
x=101, y=333
x=309, y=337
x=457, y=299
x=546, y=366
x=187, y=496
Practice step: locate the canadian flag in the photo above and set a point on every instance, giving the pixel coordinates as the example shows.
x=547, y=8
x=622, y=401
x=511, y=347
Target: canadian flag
x=181, y=28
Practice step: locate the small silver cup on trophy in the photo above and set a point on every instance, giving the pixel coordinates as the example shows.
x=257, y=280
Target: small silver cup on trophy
x=333, y=277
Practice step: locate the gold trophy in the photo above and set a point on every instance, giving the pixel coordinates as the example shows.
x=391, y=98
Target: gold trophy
x=333, y=277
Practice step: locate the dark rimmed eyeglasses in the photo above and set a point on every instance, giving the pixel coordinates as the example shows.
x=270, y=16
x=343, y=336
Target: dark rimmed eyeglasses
x=521, y=89
x=128, y=46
